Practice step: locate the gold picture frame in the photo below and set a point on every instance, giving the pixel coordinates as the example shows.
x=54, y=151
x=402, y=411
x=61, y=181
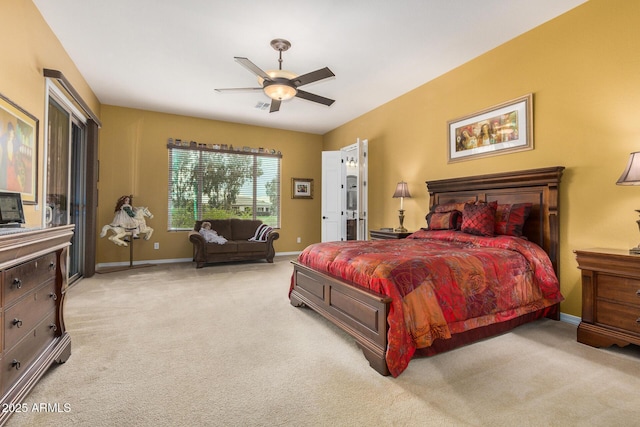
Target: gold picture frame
x=502, y=129
x=18, y=151
x=301, y=188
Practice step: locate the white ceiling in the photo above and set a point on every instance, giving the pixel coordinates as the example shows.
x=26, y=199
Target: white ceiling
x=169, y=55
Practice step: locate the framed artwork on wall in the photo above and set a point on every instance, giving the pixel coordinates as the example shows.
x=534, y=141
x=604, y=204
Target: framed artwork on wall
x=18, y=150
x=301, y=188
x=501, y=129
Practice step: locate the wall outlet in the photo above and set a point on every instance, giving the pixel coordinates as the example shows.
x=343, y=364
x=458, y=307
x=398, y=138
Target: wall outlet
x=156, y=245
x=298, y=240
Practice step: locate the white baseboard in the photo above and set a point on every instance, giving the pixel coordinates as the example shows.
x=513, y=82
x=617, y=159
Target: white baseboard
x=568, y=318
x=150, y=261
x=287, y=253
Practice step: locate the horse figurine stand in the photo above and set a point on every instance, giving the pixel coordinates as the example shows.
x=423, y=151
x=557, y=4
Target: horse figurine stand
x=122, y=236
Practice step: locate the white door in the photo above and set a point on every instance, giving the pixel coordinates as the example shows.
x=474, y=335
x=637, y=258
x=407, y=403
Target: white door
x=355, y=167
x=331, y=196
x=344, y=193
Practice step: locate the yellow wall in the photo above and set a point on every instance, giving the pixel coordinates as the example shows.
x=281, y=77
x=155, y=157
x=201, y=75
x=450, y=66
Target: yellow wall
x=134, y=160
x=29, y=46
x=582, y=68
x=584, y=71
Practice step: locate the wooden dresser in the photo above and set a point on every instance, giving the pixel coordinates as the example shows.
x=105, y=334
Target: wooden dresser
x=610, y=297
x=33, y=282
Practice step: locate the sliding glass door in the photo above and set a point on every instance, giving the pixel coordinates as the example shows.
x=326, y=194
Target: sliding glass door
x=66, y=177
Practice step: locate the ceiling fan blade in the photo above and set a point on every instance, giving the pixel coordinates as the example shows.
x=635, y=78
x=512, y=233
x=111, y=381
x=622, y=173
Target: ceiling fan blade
x=315, y=98
x=238, y=89
x=252, y=67
x=313, y=76
x=275, y=105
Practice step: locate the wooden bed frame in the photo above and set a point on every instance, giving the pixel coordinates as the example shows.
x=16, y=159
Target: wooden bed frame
x=363, y=314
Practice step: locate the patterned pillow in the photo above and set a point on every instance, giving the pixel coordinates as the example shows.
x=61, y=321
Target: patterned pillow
x=448, y=207
x=262, y=232
x=479, y=219
x=443, y=220
x=510, y=219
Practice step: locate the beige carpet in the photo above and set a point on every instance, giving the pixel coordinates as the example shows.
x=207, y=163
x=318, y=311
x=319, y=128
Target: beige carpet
x=221, y=346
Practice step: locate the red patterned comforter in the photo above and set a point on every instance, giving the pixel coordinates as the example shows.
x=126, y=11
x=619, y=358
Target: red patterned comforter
x=442, y=282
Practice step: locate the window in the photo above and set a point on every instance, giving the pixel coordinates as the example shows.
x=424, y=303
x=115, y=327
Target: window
x=206, y=183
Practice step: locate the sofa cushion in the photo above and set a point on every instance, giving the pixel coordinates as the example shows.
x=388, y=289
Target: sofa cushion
x=243, y=229
x=228, y=248
x=247, y=246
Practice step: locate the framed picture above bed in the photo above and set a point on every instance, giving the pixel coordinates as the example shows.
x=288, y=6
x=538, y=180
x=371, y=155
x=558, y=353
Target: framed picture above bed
x=501, y=129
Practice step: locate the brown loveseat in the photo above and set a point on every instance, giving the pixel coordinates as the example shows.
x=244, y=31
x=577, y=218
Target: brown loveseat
x=238, y=246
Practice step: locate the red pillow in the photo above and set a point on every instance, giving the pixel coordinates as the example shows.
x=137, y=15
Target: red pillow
x=449, y=207
x=443, y=220
x=510, y=219
x=479, y=219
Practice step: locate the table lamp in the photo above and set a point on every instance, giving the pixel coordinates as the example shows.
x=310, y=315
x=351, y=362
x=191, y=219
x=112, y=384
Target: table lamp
x=402, y=191
x=631, y=176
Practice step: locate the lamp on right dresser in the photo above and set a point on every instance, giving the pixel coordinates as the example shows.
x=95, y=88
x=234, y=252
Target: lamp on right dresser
x=631, y=176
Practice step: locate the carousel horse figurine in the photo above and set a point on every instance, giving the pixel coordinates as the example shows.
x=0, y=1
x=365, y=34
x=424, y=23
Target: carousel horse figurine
x=121, y=231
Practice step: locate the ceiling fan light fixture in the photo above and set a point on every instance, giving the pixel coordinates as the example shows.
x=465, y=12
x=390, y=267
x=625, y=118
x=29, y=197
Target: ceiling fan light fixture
x=281, y=85
x=279, y=91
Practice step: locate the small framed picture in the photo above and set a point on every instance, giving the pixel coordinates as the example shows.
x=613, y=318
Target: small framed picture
x=301, y=188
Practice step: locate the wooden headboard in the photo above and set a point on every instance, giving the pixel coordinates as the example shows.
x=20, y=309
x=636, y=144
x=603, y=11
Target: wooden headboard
x=536, y=186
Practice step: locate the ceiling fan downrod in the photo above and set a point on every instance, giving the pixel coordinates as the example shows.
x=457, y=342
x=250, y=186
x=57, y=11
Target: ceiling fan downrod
x=280, y=45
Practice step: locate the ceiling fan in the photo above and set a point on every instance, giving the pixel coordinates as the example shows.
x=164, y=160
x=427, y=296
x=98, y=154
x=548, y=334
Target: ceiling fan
x=280, y=85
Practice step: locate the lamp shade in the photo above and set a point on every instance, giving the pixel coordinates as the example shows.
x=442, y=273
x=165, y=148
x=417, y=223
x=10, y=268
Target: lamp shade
x=631, y=174
x=402, y=190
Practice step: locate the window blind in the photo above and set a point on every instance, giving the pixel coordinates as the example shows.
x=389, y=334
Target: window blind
x=208, y=183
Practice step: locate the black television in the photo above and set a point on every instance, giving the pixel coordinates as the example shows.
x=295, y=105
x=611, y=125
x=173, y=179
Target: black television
x=11, y=212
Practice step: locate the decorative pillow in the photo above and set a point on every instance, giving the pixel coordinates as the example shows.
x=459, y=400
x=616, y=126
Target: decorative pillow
x=262, y=232
x=443, y=220
x=510, y=219
x=448, y=207
x=479, y=218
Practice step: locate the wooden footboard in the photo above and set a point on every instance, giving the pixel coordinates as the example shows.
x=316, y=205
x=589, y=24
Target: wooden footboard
x=360, y=313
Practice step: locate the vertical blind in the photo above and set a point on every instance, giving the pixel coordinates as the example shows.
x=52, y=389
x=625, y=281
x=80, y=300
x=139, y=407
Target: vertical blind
x=207, y=183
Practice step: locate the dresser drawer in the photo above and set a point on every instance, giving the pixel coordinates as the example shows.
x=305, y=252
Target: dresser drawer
x=619, y=316
x=619, y=289
x=27, y=312
x=20, y=279
x=19, y=359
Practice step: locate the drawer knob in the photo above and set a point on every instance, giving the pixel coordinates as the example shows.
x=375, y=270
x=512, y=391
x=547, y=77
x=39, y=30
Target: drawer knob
x=52, y=265
x=638, y=293
x=53, y=296
x=17, y=283
x=15, y=364
x=53, y=327
x=17, y=322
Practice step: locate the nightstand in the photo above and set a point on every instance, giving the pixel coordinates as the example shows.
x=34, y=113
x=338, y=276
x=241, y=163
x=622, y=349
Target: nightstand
x=387, y=234
x=610, y=297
